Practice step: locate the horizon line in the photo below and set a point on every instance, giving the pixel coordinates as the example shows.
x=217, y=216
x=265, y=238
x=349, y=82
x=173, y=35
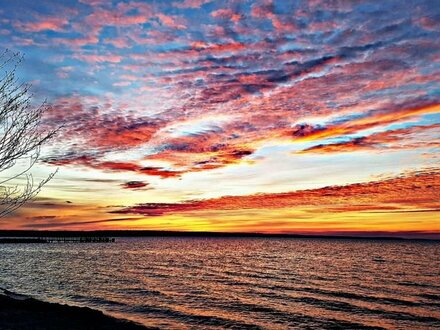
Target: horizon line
x=404, y=235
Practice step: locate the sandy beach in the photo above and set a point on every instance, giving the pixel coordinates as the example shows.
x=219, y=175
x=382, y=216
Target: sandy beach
x=20, y=312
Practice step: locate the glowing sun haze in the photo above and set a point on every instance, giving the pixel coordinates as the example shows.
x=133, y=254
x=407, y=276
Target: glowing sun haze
x=260, y=116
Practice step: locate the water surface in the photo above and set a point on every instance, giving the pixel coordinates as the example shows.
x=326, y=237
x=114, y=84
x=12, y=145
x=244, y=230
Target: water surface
x=239, y=283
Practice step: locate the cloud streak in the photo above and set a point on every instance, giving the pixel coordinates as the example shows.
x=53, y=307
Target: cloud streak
x=415, y=192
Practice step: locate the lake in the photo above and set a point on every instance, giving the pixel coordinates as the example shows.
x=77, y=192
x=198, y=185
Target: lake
x=238, y=283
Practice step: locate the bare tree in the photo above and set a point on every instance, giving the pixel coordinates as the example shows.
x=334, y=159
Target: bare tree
x=21, y=137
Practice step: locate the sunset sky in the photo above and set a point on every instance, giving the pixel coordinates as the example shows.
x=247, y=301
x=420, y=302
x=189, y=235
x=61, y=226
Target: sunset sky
x=257, y=116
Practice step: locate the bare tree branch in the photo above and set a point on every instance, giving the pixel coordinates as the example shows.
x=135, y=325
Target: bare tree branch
x=21, y=136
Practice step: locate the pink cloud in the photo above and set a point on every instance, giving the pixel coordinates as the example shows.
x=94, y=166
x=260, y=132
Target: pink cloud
x=170, y=21
x=102, y=17
x=428, y=23
x=90, y=39
x=191, y=3
x=226, y=14
x=64, y=72
x=50, y=23
x=122, y=83
x=90, y=58
x=24, y=41
x=119, y=42
x=266, y=11
x=94, y=2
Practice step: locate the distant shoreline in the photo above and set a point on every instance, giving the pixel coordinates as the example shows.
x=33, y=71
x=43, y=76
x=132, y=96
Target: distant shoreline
x=23, y=312
x=159, y=233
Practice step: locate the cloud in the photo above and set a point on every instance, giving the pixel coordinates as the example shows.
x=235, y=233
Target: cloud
x=119, y=42
x=392, y=139
x=134, y=185
x=92, y=58
x=45, y=24
x=74, y=224
x=369, y=120
x=191, y=3
x=158, y=171
x=95, y=124
x=416, y=191
x=92, y=161
x=93, y=2
x=171, y=22
x=226, y=14
x=43, y=217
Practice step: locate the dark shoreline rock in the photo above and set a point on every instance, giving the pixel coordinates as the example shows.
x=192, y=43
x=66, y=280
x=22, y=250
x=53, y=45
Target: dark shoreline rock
x=29, y=313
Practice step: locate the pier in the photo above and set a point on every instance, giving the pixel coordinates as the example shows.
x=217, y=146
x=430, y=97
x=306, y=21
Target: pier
x=18, y=240
x=79, y=239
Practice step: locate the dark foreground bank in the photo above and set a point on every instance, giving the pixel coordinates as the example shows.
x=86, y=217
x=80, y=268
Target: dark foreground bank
x=20, y=312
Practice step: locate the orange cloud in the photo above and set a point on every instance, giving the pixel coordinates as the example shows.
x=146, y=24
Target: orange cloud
x=158, y=171
x=417, y=191
x=373, y=120
x=393, y=139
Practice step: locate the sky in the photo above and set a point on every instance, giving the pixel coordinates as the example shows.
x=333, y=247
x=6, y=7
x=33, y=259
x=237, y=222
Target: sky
x=310, y=117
